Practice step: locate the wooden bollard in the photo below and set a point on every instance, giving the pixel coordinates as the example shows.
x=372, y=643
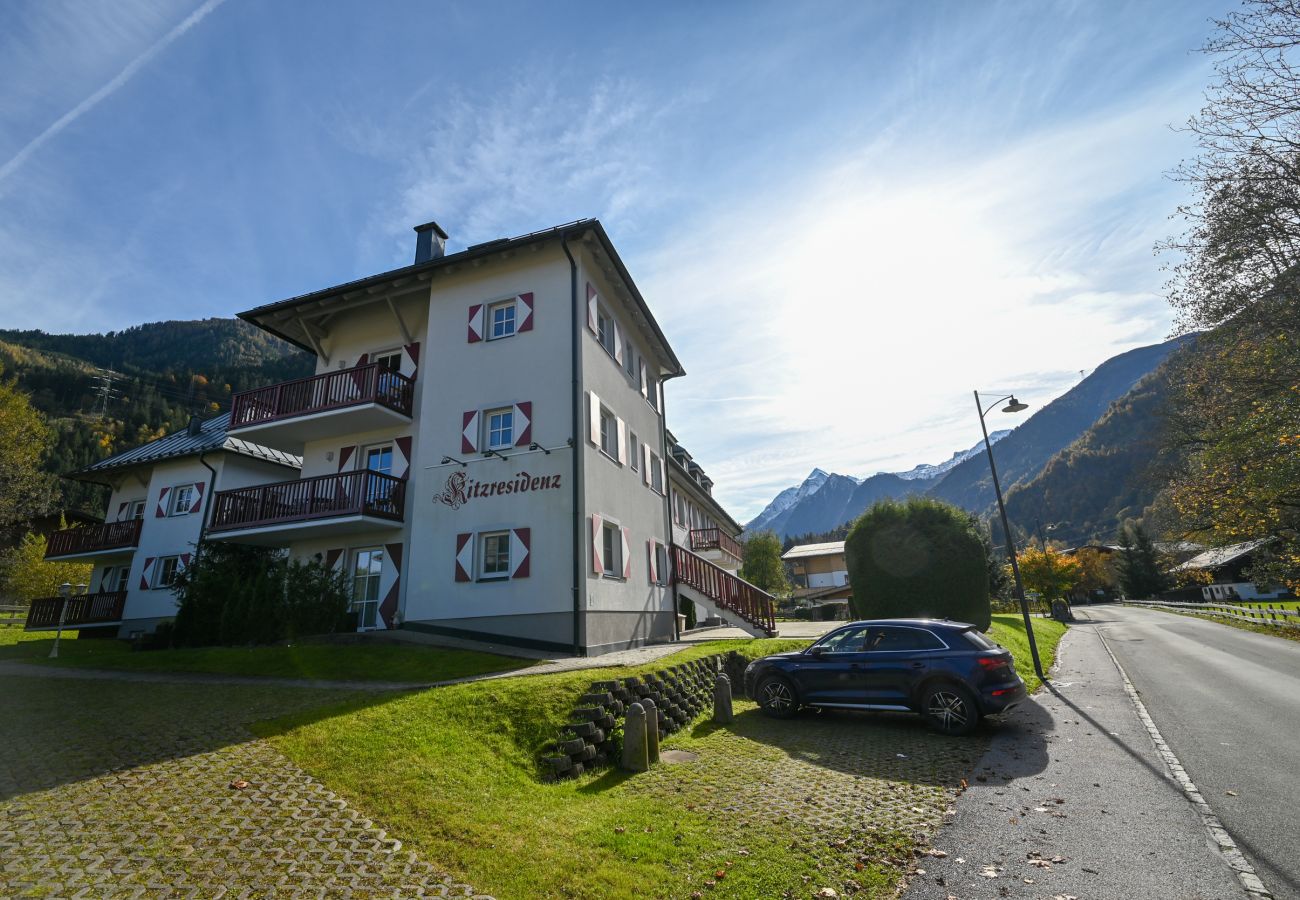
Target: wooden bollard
x=722, y=699
x=651, y=729
x=636, y=756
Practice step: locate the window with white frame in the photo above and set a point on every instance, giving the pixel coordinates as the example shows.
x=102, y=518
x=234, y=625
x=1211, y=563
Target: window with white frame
x=633, y=452
x=652, y=390
x=495, y=556
x=605, y=329
x=500, y=427
x=656, y=473
x=164, y=571
x=114, y=579
x=367, y=569
x=501, y=319
x=388, y=359
x=629, y=359
x=608, y=433
x=611, y=550
x=137, y=510
x=182, y=500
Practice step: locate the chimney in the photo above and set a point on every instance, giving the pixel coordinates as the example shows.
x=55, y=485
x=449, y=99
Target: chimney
x=195, y=428
x=430, y=242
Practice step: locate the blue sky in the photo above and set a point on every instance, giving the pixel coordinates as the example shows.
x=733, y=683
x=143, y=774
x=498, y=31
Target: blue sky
x=845, y=216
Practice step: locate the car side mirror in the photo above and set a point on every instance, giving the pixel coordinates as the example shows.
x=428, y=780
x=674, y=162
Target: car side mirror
x=816, y=650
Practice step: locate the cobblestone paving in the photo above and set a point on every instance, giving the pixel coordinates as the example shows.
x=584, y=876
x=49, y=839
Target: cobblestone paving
x=112, y=789
x=832, y=772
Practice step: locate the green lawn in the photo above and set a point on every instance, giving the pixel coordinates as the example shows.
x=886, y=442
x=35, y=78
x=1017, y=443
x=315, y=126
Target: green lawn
x=1009, y=631
x=12, y=636
x=336, y=662
x=1265, y=604
x=453, y=772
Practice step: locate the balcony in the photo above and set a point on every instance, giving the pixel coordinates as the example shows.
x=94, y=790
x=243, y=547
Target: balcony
x=287, y=415
x=702, y=539
x=327, y=505
x=84, y=610
x=108, y=539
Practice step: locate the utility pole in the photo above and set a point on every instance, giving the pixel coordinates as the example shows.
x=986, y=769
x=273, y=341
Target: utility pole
x=104, y=389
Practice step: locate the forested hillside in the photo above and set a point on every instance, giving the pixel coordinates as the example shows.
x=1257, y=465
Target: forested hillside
x=103, y=393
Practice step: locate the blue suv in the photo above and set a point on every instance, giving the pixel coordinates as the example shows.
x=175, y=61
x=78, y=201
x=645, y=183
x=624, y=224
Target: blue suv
x=948, y=672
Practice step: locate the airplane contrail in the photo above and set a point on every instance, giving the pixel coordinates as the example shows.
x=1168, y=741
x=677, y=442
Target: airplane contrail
x=116, y=82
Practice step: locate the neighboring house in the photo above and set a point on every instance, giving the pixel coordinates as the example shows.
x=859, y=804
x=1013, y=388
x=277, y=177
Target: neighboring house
x=1226, y=567
x=160, y=494
x=699, y=521
x=819, y=572
x=482, y=449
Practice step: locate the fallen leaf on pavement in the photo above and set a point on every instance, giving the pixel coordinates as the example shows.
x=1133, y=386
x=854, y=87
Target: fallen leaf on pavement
x=827, y=893
x=1231, y=793
x=989, y=872
x=1041, y=863
x=239, y=784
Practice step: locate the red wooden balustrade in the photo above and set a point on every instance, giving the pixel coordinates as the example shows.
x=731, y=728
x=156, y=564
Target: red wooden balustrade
x=94, y=538
x=716, y=539
x=736, y=595
x=83, y=609
x=371, y=383
x=324, y=496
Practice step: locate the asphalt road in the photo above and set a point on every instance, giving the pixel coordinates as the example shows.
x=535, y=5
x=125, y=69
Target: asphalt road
x=1227, y=702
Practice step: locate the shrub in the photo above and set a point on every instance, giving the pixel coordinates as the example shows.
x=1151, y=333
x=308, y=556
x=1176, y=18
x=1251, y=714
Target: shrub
x=687, y=608
x=233, y=594
x=918, y=557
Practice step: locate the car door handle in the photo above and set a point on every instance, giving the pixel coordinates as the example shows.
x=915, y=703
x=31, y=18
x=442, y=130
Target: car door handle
x=856, y=667
x=918, y=665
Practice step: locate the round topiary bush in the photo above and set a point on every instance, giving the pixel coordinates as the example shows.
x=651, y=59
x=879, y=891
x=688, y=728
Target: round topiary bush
x=918, y=558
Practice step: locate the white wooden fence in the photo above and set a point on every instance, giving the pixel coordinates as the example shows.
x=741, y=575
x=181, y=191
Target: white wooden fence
x=1267, y=615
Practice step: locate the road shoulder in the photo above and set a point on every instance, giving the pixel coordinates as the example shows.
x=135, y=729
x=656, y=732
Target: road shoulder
x=1073, y=800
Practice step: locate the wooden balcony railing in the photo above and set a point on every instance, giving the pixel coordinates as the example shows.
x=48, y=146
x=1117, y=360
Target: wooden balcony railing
x=755, y=606
x=716, y=539
x=94, y=538
x=371, y=383
x=325, y=496
x=102, y=608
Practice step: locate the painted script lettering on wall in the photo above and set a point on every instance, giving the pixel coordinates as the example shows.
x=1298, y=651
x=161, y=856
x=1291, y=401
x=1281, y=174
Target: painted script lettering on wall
x=460, y=490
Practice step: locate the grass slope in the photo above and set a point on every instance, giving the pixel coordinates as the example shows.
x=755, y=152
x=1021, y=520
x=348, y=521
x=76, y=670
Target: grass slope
x=333, y=662
x=453, y=772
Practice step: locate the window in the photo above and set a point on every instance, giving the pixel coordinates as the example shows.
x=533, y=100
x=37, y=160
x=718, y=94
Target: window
x=379, y=491
x=656, y=473
x=850, y=640
x=496, y=555
x=380, y=459
x=114, y=578
x=608, y=433
x=501, y=319
x=611, y=550
x=633, y=452
x=389, y=359
x=629, y=360
x=652, y=390
x=884, y=639
x=367, y=567
x=605, y=330
x=661, y=563
x=135, y=510
x=164, y=572
x=979, y=641
x=500, y=428
x=182, y=500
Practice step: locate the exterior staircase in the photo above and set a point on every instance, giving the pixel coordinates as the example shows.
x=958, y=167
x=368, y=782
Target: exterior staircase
x=723, y=594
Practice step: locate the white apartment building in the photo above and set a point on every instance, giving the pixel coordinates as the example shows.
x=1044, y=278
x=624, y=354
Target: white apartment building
x=482, y=448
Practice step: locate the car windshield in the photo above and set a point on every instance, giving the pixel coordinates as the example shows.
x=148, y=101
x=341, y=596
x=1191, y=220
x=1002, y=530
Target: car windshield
x=850, y=640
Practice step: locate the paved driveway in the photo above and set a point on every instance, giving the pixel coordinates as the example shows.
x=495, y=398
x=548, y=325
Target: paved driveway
x=117, y=789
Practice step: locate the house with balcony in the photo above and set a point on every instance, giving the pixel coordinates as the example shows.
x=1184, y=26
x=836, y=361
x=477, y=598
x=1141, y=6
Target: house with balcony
x=820, y=573
x=481, y=449
x=159, y=496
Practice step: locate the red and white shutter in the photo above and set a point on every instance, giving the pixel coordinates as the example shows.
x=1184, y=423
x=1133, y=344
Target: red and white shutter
x=464, y=556
x=622, y=441
x=645, y=463
x=524, y=312
x=592, y=306
x=627, y=552
x=644, y=381
x=121, y=510
x=476, y=323
x=469, y=431
x=593, y=415
x=402, y=458
x=520, y=543
x=345, y=454
x=412, y=357
x=197, y=503
x=161, y=511
x=524, y=423
x=652, y=554
x=597, y=565
x=184, y=563
x=146, y=573
x=618, y=344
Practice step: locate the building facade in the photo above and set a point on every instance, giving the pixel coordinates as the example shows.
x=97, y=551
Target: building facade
x=482, y=447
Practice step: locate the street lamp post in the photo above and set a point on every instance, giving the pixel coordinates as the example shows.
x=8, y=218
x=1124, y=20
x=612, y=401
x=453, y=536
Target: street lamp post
x=1013, y=406
x=65, y=591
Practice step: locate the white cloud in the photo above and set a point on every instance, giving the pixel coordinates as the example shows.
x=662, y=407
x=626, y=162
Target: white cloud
x=856, y=309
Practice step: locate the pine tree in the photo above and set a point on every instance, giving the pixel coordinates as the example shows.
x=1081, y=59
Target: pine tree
x=1139, y=569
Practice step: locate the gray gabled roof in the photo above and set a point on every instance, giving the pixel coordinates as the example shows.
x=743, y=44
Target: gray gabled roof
x=1220, y=556
x=211, y=437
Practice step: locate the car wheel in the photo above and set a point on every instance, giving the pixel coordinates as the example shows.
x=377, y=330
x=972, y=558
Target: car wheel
x=950, y=709
x=776, y=697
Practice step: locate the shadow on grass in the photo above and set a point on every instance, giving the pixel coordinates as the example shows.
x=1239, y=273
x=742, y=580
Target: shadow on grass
x=58, y=731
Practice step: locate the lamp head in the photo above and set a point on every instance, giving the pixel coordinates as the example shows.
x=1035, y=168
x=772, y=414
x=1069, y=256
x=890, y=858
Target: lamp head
x=65, y=589
x=1015, y=406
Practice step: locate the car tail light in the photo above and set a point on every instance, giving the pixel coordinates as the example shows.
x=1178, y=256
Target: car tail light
x=993, y=663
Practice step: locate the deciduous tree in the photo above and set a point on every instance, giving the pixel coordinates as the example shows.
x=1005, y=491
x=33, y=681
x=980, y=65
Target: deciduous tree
x=27, y=576
x=762, y=566
x=24, y=440
x=1050, y=573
